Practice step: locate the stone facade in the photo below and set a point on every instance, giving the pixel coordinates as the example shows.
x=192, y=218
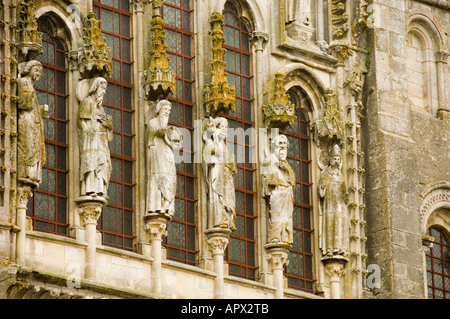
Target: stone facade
x=367, y=77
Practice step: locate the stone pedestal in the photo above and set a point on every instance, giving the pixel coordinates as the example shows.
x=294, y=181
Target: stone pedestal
x=334, y=268
x=155, y=227
x=90, y=208
x=217, y=239
x=277, y=256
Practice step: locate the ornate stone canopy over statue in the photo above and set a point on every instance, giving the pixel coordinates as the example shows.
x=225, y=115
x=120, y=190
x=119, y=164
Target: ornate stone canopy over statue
x=162, y=139
x=219, y=166
x=278, y=188
x=333, y=212
x=30, y=143
x=95, y=130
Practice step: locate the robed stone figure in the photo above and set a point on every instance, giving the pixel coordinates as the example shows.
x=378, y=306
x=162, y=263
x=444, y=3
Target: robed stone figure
x=162, y=140
x=278, y=189
x=333, y=212
x=30, y=142
x=219, y=166
x=95, y=131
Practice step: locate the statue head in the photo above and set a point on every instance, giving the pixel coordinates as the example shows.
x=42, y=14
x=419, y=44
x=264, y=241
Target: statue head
x=221, y=128
x=32, y=69
x=98, y=88
x=335, y=156
x=163, y=108
x=280, y=145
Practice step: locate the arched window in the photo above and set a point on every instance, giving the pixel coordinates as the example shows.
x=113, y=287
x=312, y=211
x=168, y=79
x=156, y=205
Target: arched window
x=181, y=241
x=240, y=253
x=438, y=264
x=116, y=221
x=299, y=271
x=422, y=73
x=48, y=206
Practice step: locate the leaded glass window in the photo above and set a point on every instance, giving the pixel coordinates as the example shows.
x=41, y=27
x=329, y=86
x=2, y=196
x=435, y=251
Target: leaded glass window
x=299, y=270
x=240, y=254
x=181, y=240
x=438, y=264
x=48, y=206
x=116, y=221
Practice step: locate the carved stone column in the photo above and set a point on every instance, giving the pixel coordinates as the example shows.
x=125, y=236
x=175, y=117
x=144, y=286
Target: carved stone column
x=24, y=192
x=90, y=208
x=155, y=227
x=217, y=239
x=277, y=256
x=441, y=62
x=334, y=268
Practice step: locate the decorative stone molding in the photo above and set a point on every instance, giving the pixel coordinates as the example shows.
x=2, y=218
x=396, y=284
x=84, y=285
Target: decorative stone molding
x=29, y=39
x=339, y=19
x=158, y=78
x=219, y=95
x=278, y=111
x=94, y=56
x=437, y=196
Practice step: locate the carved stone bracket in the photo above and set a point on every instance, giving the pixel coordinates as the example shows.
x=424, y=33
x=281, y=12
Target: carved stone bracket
x=217, y=239
x=29, y=39
x=278, y=111
x=259, y=39
x=90, y=208
x=277, y=255
x=156, y=225
x=335, y=270
x=219, y=95
x=23, y=194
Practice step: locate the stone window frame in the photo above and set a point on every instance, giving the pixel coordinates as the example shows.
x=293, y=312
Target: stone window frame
x=434, y=211
x=434, y=61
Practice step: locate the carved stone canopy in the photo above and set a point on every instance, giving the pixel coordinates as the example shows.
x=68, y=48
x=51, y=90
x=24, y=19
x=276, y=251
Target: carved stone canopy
x=219, y=95
x=29, y=39
x=159, y=78
x=278, y=111
x=94, y=56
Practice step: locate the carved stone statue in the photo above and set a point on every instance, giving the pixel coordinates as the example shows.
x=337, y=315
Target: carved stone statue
x=30, y=143
x=162, y=139
x=219, y=166
x=291, y=9
x=333, y=207
x=298, y=10
x=278, y=188
x=95, y=130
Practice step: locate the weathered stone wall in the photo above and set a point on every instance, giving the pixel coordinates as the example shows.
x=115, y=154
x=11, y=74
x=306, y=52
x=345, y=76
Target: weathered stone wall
x=406, y=147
